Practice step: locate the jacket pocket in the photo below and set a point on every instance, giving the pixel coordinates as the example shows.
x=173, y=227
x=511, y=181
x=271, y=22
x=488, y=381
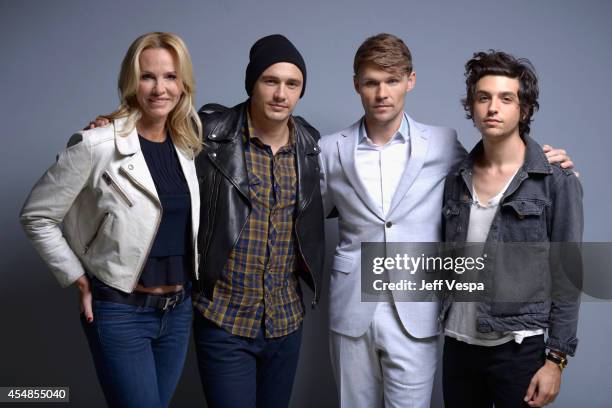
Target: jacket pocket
x=110, y=181
x=96, y=234
x=343, y=263
x=524, y=208
x=525, y=220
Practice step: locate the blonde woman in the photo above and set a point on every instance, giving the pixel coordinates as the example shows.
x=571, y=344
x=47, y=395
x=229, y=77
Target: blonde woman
x=128, y=200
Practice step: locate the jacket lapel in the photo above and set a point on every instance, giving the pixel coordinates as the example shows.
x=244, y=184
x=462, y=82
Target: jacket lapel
x=194, y=189
x=346, y=150
x=225, y=149
x=419, y=143
x=135, y=168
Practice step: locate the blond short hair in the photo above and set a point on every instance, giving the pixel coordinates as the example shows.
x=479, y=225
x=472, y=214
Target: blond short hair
x=386, y=52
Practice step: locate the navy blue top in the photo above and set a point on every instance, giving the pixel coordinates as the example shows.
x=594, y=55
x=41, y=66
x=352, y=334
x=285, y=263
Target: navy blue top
x=169, y=262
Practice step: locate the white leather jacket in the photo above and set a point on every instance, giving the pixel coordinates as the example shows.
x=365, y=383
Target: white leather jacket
x=101, y=190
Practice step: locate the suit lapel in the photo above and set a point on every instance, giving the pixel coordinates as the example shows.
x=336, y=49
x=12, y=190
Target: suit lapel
x=346, y=150
x=419, y=143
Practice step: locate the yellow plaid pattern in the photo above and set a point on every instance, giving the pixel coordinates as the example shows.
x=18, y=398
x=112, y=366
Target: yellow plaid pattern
x=259, y=284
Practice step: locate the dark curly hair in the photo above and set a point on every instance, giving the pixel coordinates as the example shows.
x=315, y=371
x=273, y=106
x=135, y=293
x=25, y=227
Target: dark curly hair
x=503, y=64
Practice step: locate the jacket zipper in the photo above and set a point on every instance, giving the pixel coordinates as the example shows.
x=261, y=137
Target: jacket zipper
x=157, y=222
x=314, y=302
x=95, y=235
x=303, y=205
x=113, y=184
x=208, y=234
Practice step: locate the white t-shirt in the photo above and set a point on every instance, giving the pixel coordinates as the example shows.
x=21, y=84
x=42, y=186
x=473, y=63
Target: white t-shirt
x=461, y=321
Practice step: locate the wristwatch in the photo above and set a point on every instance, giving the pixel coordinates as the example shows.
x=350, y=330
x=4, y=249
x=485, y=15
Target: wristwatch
x=559, y=359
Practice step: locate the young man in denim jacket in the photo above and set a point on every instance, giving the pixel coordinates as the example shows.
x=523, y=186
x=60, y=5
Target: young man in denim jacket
x=504, y=192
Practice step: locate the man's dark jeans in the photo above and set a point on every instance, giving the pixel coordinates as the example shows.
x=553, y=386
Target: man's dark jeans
x=138, y=351
x=480, y=376
x=239, y=372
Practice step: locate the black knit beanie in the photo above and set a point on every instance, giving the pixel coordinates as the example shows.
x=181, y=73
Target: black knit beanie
x=268, y=51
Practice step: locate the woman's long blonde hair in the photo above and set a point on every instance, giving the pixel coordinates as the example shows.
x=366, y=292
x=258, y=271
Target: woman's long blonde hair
x=183, y=122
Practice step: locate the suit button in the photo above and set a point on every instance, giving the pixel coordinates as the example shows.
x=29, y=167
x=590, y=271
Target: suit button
x=213, y=136
x=213, y=155
x=388, y=224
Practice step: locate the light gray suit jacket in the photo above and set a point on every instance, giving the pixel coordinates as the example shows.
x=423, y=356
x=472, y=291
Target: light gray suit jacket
x=414, y=216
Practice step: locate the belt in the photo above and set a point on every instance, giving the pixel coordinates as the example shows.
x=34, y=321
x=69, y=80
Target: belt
x=161, y=302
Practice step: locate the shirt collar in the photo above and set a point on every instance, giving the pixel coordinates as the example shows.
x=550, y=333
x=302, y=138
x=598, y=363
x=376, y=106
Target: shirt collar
x=402, y=134
x=535, y=159
x=249, y=133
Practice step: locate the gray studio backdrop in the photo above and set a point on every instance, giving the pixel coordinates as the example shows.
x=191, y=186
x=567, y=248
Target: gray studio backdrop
x=59, y=66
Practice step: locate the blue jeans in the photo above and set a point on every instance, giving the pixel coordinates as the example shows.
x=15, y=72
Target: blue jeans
x=138, y=351
x=239, y=372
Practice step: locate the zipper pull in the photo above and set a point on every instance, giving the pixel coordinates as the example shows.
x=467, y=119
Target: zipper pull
x=112, y=184
x=107, y=178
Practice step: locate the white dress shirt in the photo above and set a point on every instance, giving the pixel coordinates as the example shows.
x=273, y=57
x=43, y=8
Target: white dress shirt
x=380, y=168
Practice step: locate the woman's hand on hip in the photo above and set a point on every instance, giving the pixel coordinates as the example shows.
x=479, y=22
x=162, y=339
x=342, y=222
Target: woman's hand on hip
x=85, y=297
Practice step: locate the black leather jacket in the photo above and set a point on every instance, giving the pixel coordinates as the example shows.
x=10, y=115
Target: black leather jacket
x=224, y=192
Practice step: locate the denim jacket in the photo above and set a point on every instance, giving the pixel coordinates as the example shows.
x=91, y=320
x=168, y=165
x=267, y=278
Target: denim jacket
x=543, y=205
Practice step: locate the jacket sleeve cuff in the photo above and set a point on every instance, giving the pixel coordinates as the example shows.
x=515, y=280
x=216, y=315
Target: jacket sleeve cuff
x=65, y=278
x=568, y=347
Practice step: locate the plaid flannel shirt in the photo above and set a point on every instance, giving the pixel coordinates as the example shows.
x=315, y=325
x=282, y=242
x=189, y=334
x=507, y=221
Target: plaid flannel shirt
x=259, y=284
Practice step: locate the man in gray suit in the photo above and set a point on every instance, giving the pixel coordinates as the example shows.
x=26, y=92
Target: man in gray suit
x=384, y=176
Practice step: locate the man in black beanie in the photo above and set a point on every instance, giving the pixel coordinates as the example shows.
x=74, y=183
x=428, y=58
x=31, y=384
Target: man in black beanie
x=261, y=228
x=268, y=51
